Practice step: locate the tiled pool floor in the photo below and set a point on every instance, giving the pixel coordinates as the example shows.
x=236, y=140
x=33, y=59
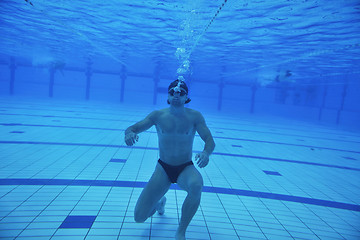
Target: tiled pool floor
x=65, y=173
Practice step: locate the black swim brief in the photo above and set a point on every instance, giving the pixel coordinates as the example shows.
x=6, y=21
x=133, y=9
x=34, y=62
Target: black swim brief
x=173, y=172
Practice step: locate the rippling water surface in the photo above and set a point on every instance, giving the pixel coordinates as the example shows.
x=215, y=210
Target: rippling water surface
x=238, y=40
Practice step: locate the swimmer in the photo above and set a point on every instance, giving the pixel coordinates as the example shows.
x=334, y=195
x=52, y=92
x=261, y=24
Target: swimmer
x=57, y=65
x=28, y=1
x=176, y=127
x=284, y=76
x=281, y=77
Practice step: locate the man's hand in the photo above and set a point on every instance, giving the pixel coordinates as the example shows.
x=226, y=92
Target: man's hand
x=202, y=159
x=131, y=138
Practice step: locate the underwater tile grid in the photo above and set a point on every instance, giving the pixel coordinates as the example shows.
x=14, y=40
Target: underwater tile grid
x=66, y=174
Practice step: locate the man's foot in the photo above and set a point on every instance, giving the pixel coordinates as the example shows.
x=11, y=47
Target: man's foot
x=161, y=206
x=180, y=236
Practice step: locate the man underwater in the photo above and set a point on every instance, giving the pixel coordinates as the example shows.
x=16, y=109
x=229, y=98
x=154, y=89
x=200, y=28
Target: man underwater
x=176, y=127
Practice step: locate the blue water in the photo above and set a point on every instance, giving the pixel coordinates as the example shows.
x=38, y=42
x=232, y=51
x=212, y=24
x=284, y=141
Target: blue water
x=277, y=82
x=238, y=56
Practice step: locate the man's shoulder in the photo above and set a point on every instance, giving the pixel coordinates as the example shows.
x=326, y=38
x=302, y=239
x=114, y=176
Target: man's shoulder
x=194, y=113
x=161, y=111
x=156, y=113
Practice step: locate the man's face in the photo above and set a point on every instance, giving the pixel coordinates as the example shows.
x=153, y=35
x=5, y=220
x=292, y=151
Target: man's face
x=177, y=96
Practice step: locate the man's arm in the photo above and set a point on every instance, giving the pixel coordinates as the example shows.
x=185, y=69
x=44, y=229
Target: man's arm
x=205, y=134
x=132, y=131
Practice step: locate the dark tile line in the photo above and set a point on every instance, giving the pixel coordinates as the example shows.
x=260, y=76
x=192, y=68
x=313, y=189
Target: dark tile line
x=117, y=160
x=154, y=148
x=231, y=129
x=59, y=126
x=78, y=221
x=209, y=189
x=55, y=116
x=76, y=144
x=286, y=160
x=272, y=173
x=81, y=107
x=289, y=144
x=227, y=138
x=290, y=134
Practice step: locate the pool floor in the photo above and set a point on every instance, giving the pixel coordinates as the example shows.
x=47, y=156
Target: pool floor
x=65, y=173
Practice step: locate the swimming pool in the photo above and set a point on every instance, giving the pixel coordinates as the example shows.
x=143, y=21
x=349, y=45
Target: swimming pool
x=277, y=84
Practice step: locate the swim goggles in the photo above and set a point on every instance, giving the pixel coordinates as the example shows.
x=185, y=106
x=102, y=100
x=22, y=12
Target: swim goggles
x=181, y=91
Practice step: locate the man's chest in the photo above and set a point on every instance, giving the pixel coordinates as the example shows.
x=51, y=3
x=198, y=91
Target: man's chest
x=169, y=124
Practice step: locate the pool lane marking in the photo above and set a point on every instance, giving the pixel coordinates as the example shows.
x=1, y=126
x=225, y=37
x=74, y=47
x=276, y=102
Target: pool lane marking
x=208, y=189
x=155, y=148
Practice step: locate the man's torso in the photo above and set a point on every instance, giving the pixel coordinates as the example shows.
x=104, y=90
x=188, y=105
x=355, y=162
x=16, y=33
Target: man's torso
x=176, y=135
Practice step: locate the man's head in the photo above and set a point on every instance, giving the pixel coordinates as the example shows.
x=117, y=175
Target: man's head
x=178, y=92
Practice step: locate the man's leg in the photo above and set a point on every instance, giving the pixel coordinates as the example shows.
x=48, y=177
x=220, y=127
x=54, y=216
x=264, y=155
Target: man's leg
x=153, y=192
x=191, y=181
